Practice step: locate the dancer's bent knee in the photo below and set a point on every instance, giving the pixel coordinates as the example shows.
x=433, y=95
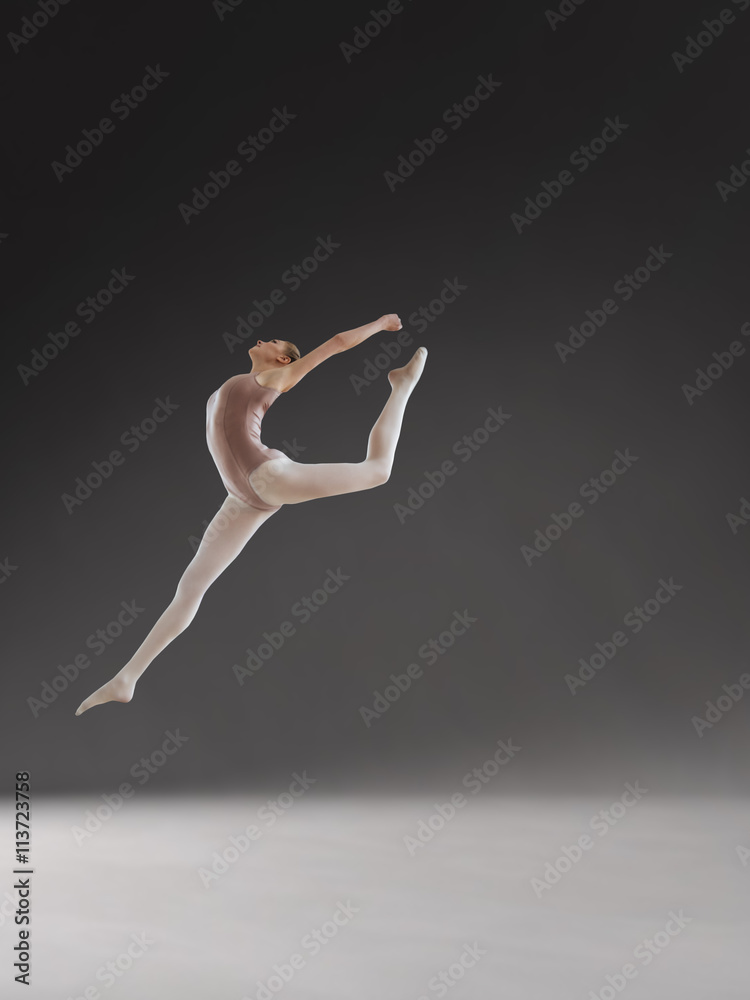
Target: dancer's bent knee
x=283, y=481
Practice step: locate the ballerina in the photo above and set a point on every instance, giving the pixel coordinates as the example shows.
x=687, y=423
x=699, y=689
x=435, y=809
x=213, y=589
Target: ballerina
x=260, y=480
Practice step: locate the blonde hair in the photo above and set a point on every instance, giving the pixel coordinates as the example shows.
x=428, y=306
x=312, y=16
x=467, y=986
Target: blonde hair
x=292, y=351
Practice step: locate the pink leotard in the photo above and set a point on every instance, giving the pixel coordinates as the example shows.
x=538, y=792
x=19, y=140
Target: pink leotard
x=234, y=413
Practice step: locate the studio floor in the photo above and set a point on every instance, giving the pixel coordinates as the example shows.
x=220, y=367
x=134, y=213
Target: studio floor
x=339, y=898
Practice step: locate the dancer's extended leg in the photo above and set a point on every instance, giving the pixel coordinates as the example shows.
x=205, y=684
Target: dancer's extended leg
x=225, y=537
x=282, y=481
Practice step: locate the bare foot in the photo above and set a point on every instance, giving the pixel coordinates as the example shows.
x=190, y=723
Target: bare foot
x=118, y=689
x=410, y=373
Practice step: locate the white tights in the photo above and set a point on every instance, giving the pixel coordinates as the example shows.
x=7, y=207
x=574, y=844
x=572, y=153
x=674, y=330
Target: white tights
x=230, y=529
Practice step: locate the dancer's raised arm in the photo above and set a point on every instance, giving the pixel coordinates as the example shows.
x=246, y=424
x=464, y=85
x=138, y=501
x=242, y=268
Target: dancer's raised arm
x=351, y=338
x=290, y=375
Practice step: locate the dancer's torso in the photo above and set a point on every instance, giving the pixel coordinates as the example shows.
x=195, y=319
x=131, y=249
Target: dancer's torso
x=234, y=413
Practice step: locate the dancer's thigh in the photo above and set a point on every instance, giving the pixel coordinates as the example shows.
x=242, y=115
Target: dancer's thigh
x=283, y=481
x=225, y=537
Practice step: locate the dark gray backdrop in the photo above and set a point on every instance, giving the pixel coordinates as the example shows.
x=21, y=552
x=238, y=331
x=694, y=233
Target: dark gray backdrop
x=323, y=176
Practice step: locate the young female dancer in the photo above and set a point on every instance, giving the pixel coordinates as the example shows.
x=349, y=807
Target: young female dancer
x=259, y=480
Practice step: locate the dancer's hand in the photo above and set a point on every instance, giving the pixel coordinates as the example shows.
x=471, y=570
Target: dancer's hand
x=390, y=322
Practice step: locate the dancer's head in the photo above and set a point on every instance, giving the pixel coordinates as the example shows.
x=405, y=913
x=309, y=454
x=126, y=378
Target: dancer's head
x=273, y=353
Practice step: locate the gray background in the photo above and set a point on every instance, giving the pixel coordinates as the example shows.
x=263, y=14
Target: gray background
x=493, y=347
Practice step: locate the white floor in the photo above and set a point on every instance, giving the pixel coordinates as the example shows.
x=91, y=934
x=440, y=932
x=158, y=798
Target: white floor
x=470, y=886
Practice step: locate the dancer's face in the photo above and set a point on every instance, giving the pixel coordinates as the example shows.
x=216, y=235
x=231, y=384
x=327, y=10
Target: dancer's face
x=269, y=352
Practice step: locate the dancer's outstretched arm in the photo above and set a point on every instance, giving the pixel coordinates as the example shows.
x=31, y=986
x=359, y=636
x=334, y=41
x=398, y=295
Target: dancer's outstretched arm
x=284, y=378
x=350, y=338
